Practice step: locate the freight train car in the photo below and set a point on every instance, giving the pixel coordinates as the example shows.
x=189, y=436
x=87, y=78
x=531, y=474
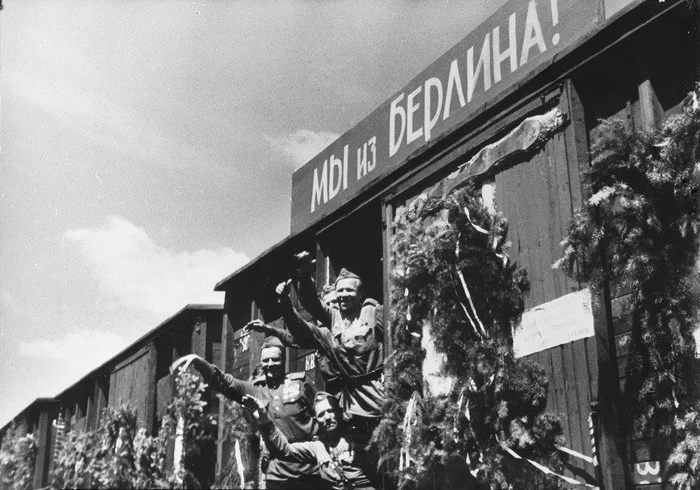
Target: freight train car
x=470, y=117
x=138, y=376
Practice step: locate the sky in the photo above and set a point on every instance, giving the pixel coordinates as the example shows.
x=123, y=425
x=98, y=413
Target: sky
x=147, y=149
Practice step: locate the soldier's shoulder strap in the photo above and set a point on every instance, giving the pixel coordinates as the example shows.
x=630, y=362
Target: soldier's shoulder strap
x=370, y=302
x=300, y=376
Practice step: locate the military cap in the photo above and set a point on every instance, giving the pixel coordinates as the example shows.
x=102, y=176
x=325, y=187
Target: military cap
x=272, y=342
x=327, y=289
x=332, y=401
x=346, y=274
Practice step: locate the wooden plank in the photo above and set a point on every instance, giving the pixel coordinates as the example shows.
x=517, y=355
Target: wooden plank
x=592, y=359
x=149, y=377
x=164, y=395
x=542, y=174
x=102, y=393
x=132, y=358
x=517, y=178
x=555, y=203
x=557, y=376
x=199, y=339
x=528, y=214
x=95, y=406
x=43, y=443
x=577, y=150
x=131, y=385
x=387, y=263
x=573, y=402
x=216, y=353
x=564, y=211
x=227, y=346
x=582, y=385
x=111, y=399
x=576, y=146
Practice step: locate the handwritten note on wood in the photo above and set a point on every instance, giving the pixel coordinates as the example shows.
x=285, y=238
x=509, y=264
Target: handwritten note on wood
x=556, y=322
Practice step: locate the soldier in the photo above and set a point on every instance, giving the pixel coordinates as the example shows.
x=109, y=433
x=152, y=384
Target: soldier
x=339, y=458
x=331, y=375
x=289, y=399
x=354, y=346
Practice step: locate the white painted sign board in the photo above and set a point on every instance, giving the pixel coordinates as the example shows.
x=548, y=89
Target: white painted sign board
x=556, y=322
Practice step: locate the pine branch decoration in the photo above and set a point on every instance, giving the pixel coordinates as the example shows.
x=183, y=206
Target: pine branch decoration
x=495, y=399
x=638, y=233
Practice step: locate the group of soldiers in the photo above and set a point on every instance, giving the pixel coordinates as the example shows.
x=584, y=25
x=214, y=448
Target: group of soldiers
x=316, y=440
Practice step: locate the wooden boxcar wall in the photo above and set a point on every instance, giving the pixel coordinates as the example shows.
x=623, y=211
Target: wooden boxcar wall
x=129, y=384
x=538, y=198
x=538, y=195
x=640, y=81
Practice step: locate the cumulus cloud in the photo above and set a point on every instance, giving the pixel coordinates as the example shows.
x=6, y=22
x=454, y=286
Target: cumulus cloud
x=302, y=146
x=78, y=351
x=134, y=272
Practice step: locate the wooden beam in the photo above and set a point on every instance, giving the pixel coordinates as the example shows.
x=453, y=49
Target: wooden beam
x=650, y=108
x=605, y=392
x=223, y=449
x=199, y=339
x=150, y=418
x=43, y=442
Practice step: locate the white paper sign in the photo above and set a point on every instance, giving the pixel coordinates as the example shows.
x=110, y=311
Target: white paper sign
x=557, y=322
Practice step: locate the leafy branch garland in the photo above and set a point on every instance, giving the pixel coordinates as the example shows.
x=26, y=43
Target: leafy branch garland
x=453, y=282
x=119, y=454
x=638, y=233
x=17, y=457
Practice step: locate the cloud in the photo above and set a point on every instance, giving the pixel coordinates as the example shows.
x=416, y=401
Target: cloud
x=134, y=272
x=7, y=300
x=303, y=145
x=95, y=118
x=79, y=351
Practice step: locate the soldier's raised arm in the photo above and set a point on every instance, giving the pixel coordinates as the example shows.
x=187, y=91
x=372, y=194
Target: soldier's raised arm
x=275, y=441
x=285, y=336
x=309, y=333
x=306, y=289
x=227, y=385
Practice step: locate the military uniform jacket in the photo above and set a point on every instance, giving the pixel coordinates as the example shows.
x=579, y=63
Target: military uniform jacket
x=356, y=348
x=342, y=463
x=290, y=408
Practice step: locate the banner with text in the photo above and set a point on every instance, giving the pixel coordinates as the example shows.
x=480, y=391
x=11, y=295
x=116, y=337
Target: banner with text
x=509, y=45
x=556, y=322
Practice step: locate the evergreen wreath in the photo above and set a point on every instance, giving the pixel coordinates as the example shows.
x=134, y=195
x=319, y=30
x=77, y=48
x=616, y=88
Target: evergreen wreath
x=638, y=235
x=453, y=281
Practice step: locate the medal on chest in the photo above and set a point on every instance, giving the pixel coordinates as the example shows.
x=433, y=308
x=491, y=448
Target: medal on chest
x=343, y=452
x=291, y=390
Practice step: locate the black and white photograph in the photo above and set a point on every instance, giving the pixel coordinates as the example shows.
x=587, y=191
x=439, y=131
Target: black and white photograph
x=335, y=244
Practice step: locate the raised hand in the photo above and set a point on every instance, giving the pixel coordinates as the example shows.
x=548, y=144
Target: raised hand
x=282, y=290
x=184, y=362
x=305, y=265
x=257, y=326
x=256, y=407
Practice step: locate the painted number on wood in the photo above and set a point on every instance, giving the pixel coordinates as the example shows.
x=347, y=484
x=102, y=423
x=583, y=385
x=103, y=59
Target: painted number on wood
x=646, y=473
